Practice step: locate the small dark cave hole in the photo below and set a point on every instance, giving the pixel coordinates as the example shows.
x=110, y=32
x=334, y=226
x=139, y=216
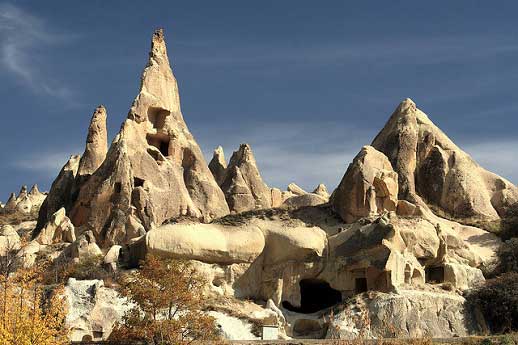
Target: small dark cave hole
x=434, y=274
x=138, y=182
x=360, y=285
x=160, y=141
x=315, y=295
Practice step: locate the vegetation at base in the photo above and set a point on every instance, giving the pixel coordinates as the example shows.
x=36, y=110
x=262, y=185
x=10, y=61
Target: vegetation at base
x=167, y=295
x=29, y=314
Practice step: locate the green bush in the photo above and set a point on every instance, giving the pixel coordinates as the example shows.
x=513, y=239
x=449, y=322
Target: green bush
x=497, y=300
x=509, y=223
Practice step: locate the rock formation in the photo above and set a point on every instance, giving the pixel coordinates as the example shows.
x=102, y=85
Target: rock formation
x=59, y=229
x=321, y=190
x=243, y=185
x=154, y=169
x=218, y=165
x=25, y=203
x=295, y=189
x=433, y=170
x=369, y=187
x=96, y=145
x=60, y=194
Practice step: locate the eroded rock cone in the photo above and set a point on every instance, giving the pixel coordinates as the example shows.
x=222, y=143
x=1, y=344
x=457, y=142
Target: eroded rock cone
x=23, y=193
x=154, y=168
x=96, y=144
x=238, y=195
x=60, y=194
x=218, y=165
x=244, y=159
x=369, y=187
x=10, y=205
x=321, y=190
x=432, y=169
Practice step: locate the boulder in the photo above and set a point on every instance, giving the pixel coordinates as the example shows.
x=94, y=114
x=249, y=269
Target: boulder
x=85, y=247
x=242, y=172
x=9, y=240
x=58, y=229
x=218, y=165
x=309, y=199
x=433, y=170
x=292, y=187
x=277, y=199
x=321, y=190
x=369, y=187
x=154, y=169
x=28, y=254
x=210, y=243
x=36, y=197
x=111, y=259
x=93, y=309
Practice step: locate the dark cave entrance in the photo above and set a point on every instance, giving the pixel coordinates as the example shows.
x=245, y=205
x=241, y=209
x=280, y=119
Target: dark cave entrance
x=360, y=285
x=315, y=295
x=160, y=141
x=434, y=275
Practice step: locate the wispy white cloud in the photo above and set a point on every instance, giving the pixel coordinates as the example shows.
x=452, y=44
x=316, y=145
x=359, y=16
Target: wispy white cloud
x=22, y=38
x=46, y=163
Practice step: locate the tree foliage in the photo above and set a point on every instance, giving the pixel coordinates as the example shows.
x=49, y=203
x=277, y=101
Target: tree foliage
x=509, y=222
x=30, y=315
x=497, y=300
x=167, y=295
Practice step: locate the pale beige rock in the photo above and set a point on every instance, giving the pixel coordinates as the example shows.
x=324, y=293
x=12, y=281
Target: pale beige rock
x=23, y=193
x=242, y=172
x=218, y=165
x=60, y=194
x=462, y=277
x=369, y=187
x=295, y=189
x=321, y=190
x=154, y=165
x=85, y=247
x=9, y=240
x=305, y=200
x=237, y=193
x=111, y=259
x=206, y=242
x=58, y=229
x=10, y=205
x=37, y=198
x=28, y=254
x=277, y=199
x=432, y=169
x=96, y=145
x=24, y=205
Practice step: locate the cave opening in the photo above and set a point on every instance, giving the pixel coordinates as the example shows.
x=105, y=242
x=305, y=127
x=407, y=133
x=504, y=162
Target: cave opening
x=315, y=295
x=360, y=285
x=160, y=141
x=157, y=117
x=434, y=274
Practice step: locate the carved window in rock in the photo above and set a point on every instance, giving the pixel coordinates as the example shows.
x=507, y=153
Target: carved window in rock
x=157, y=117
x=434, y=274
x=160, y=141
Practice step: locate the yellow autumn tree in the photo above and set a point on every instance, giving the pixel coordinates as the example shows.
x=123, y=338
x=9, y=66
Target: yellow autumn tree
x=167, y=295
x=29, y=314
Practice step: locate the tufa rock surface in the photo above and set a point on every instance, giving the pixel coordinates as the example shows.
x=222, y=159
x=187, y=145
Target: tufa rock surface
x=218, y=165
x=433, y=170
x=96, y=144
x=154, y=169
x=369, y=187
x=243, y=180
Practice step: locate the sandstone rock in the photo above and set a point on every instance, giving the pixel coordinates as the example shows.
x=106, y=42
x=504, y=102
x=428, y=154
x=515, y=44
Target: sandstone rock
x=28, y=254
x=243, y=162
x=36, y=196
x=85, y=247
x=153, y=166
x=24, y=205
x=292, y=187
x=93, y=309
x=277, y=199
x=238, y=195
x=432, y=169
x=462, y=277
x=9, y=240
x=304, y=200
x=96, y=145
x=322, y=191
x=209, y=243
x=60, y=194
x=410, y=314
x=111, y=259
x=10, y=205
x=369, y=187
x=58, y=229
x=218, y=165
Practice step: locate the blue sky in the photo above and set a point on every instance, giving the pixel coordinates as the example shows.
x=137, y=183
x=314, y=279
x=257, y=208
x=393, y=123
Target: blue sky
x=305, y=83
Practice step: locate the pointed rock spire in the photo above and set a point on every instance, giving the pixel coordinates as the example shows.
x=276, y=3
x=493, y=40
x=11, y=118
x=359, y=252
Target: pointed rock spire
x=295, y=189
x=244, y=159
x=23, y=193
x=10, y=205
x=433, y=170
x=238, y=194
x=96, y=144
x=35, y=190
x=322, y=191
x=218, y=165
x=154, y=170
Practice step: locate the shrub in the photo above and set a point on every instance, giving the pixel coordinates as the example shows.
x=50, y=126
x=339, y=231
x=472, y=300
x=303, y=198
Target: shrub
x=167, y=295
x=509, y=222
x=497, y=300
